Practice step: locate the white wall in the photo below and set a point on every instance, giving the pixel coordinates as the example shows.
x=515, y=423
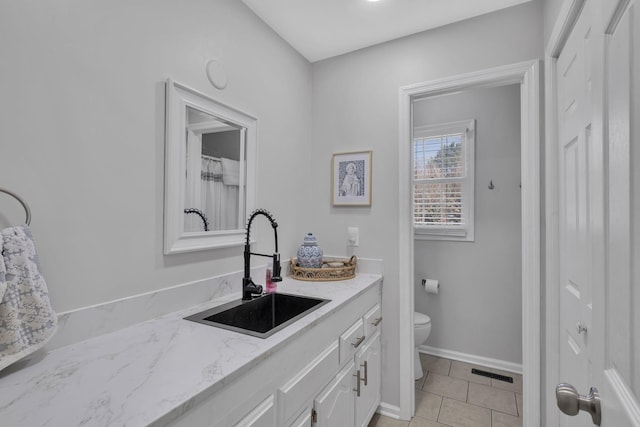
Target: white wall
x=82, y=133
x=355, y=107
x=478, y=310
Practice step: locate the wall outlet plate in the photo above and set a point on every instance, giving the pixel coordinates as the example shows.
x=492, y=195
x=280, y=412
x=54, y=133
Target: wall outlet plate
x=353, y=236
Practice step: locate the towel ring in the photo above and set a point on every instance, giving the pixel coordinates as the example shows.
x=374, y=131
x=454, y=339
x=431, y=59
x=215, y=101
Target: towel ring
x=22, y=202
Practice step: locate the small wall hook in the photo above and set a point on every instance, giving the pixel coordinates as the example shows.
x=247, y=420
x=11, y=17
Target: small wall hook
x=491, y=187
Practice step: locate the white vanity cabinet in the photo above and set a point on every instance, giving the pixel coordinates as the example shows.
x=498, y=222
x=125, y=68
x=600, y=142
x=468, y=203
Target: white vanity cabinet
x=367, y=363
x=262, y=415
x=297, y=394
x=311, y=381
x=304, y=420
x=353, y=396
x=335, y=405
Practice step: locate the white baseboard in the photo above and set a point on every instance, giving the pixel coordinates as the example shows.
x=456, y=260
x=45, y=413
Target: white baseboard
x=390, y=411
x=470, y=358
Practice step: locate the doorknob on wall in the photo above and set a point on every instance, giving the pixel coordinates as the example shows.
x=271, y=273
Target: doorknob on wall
x=570, y=402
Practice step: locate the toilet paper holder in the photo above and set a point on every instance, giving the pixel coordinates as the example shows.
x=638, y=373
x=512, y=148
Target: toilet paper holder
x=431, y=286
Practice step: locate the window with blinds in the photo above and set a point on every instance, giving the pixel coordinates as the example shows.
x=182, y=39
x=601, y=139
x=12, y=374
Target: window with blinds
x=443, y=181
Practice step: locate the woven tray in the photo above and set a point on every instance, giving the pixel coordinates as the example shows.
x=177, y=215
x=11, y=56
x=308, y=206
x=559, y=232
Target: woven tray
x=326, y=273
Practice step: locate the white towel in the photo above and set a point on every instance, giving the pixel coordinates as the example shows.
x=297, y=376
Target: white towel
x=230, y=172
x=27, y=320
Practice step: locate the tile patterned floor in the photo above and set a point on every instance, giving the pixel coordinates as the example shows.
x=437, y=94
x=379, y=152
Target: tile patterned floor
x=449, y=395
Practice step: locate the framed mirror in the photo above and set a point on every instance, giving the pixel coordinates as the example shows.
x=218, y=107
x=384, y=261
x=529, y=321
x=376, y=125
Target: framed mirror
x=210, y=162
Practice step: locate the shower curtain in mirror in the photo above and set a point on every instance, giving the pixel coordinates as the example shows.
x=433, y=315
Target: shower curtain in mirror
x=219, y=192
x=215, y=192
x=192, y=198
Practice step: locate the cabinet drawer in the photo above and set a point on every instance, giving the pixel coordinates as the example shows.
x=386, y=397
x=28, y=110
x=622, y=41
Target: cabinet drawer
x=372, y=320
x=301, y=388
x=350, y=340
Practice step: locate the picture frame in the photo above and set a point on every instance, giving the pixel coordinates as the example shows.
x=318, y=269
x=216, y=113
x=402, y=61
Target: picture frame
x=351, y=183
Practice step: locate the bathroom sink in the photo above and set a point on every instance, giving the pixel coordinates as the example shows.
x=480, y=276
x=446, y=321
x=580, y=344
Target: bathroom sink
x=260, y=317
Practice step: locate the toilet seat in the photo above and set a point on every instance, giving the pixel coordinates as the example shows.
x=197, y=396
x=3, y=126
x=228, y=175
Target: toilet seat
x=420, y=319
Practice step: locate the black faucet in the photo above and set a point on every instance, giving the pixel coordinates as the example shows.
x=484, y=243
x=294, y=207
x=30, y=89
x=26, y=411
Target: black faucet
x=248, y=287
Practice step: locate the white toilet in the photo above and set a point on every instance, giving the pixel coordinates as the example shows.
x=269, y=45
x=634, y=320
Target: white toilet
x=421, y=330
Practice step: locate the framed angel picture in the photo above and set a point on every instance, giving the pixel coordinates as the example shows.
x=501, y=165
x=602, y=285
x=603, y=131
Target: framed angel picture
x=351, y=179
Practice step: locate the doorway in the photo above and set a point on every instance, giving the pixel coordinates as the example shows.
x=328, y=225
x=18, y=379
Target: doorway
x=467, y=218
x=528, y=77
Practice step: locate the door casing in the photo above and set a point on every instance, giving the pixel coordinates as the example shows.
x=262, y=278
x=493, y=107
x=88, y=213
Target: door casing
x=527, y=74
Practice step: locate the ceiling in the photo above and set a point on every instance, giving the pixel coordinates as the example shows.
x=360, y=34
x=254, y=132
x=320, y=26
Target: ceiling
x=320, y=29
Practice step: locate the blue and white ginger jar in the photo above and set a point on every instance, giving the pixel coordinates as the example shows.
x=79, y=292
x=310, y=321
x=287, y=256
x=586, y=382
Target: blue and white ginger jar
x=309, y=253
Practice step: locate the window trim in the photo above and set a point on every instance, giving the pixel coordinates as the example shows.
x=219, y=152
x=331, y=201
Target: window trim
x=450, y=232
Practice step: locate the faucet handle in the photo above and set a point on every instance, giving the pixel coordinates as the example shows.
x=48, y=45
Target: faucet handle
x=255, y=289
x=249, y=289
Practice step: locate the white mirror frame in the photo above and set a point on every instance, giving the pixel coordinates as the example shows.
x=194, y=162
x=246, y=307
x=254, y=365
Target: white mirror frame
x=176, y=240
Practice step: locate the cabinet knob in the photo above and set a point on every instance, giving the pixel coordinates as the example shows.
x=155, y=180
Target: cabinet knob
x=377, y=321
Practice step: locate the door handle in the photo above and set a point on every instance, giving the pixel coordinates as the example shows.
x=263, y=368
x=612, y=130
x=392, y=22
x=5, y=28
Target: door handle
x=570, y=402
x=358, y=380
x=366, y=374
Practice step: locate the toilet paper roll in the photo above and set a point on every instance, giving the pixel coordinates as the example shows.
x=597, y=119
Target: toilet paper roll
x=431, y=286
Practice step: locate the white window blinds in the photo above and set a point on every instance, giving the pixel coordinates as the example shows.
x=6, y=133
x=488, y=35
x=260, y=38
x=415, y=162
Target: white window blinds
x=439, y=172
x=443, y=179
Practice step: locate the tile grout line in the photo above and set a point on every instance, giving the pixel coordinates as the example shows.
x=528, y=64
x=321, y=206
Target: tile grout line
x=440, y=409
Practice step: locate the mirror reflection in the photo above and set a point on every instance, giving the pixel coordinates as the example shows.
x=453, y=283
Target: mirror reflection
x=210, y=164
x=215, y=152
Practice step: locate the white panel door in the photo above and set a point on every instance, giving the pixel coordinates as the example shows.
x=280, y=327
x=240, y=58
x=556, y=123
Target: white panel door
x=620, y=382
x=599, y=210
x=574, y=139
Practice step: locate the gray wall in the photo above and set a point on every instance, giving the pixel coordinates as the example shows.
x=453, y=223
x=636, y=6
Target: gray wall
x=222, y=144
x=478, y=310
x=551, y=10
x=355, y=107
x=82, y=133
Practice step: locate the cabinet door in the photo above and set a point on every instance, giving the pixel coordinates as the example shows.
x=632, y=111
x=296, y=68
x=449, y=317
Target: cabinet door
x=262, y=415
x=300, y=389
x=334, y=405
x=368, y=362
x=304, y=420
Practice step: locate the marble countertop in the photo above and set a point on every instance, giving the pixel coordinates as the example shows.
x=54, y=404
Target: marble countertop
x=151, y=372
